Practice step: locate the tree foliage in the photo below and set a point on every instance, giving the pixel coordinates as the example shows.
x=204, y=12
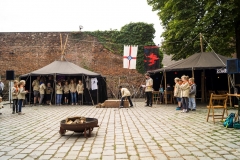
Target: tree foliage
x=139, y=33
x=217, y=20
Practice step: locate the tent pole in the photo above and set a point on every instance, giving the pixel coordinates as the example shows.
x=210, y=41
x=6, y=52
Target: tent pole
x=30, y=90
x=229, y=90
x=201, y=42
x=55, y=77
x=165, y=82
x=202, y=86
x=192, y=73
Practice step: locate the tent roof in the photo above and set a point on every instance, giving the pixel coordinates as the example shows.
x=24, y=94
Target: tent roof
x=197, y=61
x=62, y=67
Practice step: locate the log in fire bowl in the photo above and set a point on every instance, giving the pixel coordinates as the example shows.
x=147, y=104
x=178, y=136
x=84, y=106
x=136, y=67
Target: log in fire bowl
x=79, y=125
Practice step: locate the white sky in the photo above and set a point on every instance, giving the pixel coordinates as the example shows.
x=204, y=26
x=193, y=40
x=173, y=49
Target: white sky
x=68, y=15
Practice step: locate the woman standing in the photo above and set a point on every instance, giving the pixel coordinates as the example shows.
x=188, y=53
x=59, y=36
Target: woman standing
x=15, y=96
x=59, y=92
x=42, y=91
x=73, y=89
x=80, y=88
x=66, y=92
x=21, y=96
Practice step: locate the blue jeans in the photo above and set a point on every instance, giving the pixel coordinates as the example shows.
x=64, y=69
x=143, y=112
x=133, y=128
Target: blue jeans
x=59, y=98
x=192, y=103
x=73, y=97
x=20, y=101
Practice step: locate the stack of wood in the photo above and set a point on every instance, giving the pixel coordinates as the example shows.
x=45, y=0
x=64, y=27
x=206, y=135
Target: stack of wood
x=100, y=105
x=76, y=120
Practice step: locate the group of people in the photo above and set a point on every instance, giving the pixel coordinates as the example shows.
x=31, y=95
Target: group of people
x=185, y=92
x=63, y=89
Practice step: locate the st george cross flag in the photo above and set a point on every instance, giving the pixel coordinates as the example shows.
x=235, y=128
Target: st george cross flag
x=130, y=56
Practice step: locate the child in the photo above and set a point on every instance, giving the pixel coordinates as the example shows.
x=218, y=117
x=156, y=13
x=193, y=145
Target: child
x=42, y=88
x=15, y=96
x=49, y=92
x=59, y=93
x=161, y=91
x=192, y=93
x=177, y=92
x=80, y=88
x=184, y=94
x=21, y=95
x=66, y=92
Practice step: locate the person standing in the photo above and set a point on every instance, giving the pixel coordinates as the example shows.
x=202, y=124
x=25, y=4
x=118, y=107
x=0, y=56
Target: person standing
x=148, y=89
x=59, y=92
x=80, y=88
x=15, y=97
x=21, y=96
x=35, y=85
x=49, y=92
x=1, y=88
x=73, y=89
x=161, y=92
x=177, y=93
x=185, y=94
x=66, y=92
x=192, y=94
x=125, y=93
x=42, y=88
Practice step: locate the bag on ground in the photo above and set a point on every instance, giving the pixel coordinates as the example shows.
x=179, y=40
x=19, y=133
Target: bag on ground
x=228, y=123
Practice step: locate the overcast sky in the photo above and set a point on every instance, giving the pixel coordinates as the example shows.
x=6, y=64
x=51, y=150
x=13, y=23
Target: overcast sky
x=68, y=15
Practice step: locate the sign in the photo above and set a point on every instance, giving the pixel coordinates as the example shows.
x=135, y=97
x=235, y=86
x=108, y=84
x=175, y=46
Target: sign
x=221, y=70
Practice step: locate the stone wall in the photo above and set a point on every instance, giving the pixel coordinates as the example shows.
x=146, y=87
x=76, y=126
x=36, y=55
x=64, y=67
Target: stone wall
x=28, y=51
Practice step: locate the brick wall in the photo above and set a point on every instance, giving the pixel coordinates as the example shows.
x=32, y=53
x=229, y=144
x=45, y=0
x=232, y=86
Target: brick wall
x=28, y=51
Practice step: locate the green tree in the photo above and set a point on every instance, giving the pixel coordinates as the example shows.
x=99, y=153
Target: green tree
x=131, y=34
x=217, y=20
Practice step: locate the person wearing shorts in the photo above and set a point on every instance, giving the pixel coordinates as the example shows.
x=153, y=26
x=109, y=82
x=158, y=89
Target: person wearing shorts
x=36, y=87
x=49, y=92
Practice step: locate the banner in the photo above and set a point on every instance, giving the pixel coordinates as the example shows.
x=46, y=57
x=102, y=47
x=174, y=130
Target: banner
x=130, y=56
x=151, y=58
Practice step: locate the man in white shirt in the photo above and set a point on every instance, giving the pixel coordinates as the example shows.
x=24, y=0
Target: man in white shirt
x=149, y=89
x=125, y=93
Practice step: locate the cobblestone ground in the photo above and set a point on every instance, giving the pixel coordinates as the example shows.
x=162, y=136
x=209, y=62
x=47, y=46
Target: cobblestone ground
x=141, y=132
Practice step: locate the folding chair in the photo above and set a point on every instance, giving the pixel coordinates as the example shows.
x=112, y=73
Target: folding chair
x=156, y=97
x=217, y=102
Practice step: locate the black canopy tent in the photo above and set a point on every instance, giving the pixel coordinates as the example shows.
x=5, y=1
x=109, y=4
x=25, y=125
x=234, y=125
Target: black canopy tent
x=198, y=61
x=57, y=68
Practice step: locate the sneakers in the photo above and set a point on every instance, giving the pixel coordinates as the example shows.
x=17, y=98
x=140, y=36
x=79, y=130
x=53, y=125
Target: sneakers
x=178, y=108
x=150, y=105
x=193, y=109
x=120, y=107
x=185, y=111
x=13, y=112
x=131, y=106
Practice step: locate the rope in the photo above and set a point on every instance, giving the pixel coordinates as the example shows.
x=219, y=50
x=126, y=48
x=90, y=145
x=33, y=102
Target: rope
x=185, y=46
x=214, y=51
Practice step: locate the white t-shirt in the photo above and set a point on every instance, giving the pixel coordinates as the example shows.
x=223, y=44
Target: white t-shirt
x=94, y=83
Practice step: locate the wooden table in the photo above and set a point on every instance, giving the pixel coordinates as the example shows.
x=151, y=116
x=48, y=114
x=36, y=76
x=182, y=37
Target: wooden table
x=238, y=97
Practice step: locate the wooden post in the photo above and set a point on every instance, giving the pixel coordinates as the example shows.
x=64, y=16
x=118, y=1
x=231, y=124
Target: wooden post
x=165, y=83
x=229, y=90
x=62, y=54
x=203, y=86
x=201, y=43
x=192, y=73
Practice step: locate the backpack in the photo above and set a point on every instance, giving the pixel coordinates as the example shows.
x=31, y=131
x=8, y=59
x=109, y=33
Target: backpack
x=228, y=123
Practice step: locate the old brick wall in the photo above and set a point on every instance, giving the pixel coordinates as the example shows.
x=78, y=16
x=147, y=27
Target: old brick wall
x=28, y=51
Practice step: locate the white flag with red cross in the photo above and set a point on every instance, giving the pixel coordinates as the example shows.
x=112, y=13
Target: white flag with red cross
x=130, y=56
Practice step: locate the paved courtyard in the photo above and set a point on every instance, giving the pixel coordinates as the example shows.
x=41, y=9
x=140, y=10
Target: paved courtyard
x=141, y=132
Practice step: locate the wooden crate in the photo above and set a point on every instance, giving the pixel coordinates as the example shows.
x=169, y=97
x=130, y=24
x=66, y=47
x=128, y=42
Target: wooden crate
x=115, y=104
